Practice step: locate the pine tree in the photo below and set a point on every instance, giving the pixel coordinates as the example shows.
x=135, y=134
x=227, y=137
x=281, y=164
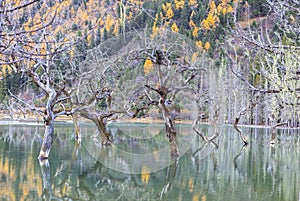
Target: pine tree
x=184, y=17
x=98, y=36
x=3, y=89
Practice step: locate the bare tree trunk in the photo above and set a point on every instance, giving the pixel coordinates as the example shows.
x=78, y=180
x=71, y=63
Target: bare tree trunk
x=198, y=120
x=195, y=128
x=48, y=139
x=236, y=121
x=75, y=117
x=105, y=135
x=169, y=124
x=274, y=125
x=101, y=126
x=49, y=124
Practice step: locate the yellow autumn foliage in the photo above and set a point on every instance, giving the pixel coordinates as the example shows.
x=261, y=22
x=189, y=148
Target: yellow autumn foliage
x=199, y=44
x=195, y=32
x=210, y=22
x=191, y=23
x=193, y=3
x=174, y=27
x=169, y=13
x=207, y=45
x=179, y=4
x=148, y=66
x=108, y=22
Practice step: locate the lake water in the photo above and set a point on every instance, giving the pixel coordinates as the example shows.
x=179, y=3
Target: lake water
x=139, y=166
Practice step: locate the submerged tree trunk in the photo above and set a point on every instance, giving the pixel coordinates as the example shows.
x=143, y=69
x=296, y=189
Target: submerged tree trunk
x=48, y=139
x=253, y=103
x=105, y=135
x=169, y=124
x=195, y=128
x=49, y=123
x=75, y=117
x=169, y=121
x=101, y=125
x=236, y=121
x=274, y=125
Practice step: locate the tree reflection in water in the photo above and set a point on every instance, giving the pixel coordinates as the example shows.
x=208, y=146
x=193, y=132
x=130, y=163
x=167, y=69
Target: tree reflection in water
x=205, y=172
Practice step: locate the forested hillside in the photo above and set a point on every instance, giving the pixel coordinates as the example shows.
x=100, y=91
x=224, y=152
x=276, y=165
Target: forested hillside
x=94, y=21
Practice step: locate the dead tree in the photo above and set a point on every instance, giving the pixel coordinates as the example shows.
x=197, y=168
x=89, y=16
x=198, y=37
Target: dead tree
x=266, y=59
x=171, y=73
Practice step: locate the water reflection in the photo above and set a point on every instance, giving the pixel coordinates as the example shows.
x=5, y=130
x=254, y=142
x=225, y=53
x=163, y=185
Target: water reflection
x=224, y=170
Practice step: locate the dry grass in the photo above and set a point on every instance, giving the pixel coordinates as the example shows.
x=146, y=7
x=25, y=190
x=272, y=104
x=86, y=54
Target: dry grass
x=257, y=20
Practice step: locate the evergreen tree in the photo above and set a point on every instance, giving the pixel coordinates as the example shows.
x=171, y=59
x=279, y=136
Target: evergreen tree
x=98, y=37
x=184, y=17
x=3, y=90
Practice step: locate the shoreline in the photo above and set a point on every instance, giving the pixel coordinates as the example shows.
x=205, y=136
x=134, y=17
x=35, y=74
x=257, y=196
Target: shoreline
x=31, y=121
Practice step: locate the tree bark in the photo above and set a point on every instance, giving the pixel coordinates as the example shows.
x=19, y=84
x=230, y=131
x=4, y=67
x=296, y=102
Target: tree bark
x=49, y=123
x=105, y=135
x=237, y=119
x=75, y=117
x=48, y=139
x=169, y=124
x=274, y=125
x=101, y=126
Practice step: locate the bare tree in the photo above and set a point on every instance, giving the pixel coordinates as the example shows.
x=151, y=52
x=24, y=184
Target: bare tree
x=266, y=59
x=168, y=77
x=51, y=64
x=16, y=42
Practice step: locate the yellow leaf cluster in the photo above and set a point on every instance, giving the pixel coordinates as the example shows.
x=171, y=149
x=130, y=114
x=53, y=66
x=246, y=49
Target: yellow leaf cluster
x=169, y=13
x=179, y=4
x=207, y=46
x=195, y=32
x=224, y=7
x=167, y=8
x=66, y=3
x=89, y=38
x=196, y=197
x=148, y=66
x=212, y=7
x=174, y=28
x=193, y=3
x=130, y=16
x=4, y=67
x=108, y=22
x=155, y=29
x=212, y=19
x=210, y=22
x=199, y=44
x=191, y=23
x=191, y=184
